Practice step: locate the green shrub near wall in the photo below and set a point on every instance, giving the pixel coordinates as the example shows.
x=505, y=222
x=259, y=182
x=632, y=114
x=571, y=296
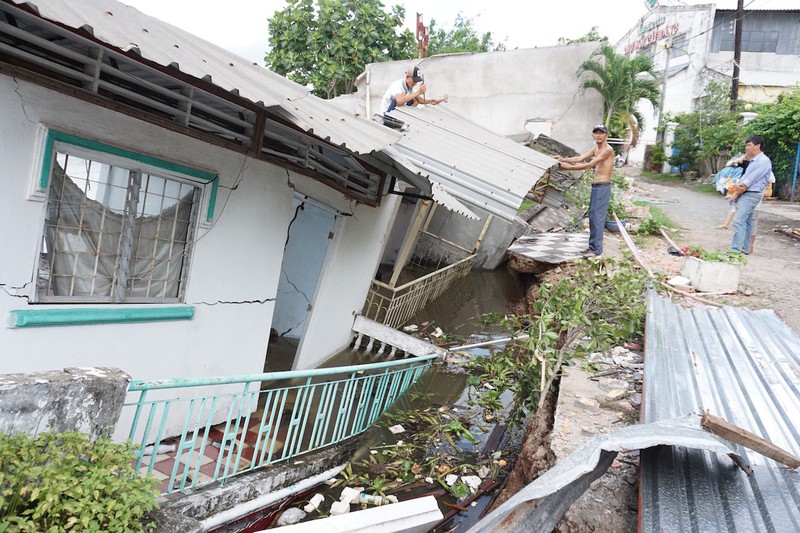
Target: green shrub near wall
x=54, y=482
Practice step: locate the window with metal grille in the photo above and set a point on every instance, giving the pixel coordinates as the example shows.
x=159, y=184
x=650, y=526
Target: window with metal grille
x=114, y=231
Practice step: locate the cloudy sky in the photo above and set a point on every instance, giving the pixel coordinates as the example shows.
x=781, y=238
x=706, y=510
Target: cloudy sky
x=240, y=26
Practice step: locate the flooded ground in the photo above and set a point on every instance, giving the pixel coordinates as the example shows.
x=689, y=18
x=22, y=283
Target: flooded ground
x=461, y=314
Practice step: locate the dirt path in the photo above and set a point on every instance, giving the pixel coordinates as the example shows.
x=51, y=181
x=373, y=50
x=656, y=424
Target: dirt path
x=769, y=280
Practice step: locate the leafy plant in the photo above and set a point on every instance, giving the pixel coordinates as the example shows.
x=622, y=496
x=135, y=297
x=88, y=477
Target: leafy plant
x=714, y=256
x=779, y=123
x=65, y=482
x=462, y=37
x=326, y=44
x=622, y=81
x=708, y=131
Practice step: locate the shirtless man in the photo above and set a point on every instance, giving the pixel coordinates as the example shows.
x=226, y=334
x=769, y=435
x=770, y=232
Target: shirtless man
x=601, y=159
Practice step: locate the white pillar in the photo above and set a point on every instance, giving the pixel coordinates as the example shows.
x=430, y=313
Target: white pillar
x=669, y=136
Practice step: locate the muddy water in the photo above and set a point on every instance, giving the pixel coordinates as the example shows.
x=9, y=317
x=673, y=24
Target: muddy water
x=459, y=313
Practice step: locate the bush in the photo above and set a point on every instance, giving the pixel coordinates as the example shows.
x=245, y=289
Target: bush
x=64, y=482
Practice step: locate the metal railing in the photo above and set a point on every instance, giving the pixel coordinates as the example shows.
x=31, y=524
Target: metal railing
x=392, y=306
x=271, y=417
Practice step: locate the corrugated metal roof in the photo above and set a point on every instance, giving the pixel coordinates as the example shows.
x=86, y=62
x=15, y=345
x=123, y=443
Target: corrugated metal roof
x=472, y=163
x=128, y=29
x=743, y=366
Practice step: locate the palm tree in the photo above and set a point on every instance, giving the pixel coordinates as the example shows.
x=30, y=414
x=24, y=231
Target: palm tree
x=622, y=81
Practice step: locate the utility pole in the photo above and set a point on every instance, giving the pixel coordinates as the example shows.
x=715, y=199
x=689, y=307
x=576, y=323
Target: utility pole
x=659, y=129
x=737, y=53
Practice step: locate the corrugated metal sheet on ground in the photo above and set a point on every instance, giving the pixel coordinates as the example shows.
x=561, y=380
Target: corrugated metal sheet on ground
x=128, y=29
x=743, y=366
x=474, y=164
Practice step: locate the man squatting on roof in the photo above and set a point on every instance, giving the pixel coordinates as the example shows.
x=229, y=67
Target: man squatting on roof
x=601, y=159
x=401, y=92
x=749, y=191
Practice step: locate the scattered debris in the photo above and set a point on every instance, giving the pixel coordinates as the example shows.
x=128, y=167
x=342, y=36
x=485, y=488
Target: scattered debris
x=291, y=516
x=313, y=503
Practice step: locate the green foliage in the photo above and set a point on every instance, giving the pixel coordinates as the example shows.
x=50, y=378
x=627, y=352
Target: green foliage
x=65, y=482
x=707, y=132
x=327, y=43
x=657, y=156
x=599, y=305
x=714, y=256
x=622, y=81
x=590, y=36
x=461, y=38
x=779, y=124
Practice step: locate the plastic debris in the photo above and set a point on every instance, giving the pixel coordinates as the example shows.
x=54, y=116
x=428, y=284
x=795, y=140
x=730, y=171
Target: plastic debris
x=473, y=482
x=313, y=503
x=451, y=479
x=291, y=516
x=396, y=429
x=340, y=508
x=372, y=499
x=350, y=495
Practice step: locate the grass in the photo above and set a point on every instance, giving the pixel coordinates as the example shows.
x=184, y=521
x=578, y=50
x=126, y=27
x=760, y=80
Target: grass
x=705, y=188
x=525, y=205
x=671, y=178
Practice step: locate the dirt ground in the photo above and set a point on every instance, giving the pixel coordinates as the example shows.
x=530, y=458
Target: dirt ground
x=767, y=281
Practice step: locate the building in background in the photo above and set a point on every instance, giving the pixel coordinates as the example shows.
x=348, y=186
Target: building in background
x=695, y=44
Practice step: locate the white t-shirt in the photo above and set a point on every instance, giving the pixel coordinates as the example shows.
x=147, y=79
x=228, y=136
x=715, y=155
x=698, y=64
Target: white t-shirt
x=397, y=87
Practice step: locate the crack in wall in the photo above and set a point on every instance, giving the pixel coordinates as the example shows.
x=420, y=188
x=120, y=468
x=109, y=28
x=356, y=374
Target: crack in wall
x=236, y=302
x=10, y=290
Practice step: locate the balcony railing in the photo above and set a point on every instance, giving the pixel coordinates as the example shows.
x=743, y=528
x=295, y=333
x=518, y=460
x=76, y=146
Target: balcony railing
x=271, y=417
x=393, y=306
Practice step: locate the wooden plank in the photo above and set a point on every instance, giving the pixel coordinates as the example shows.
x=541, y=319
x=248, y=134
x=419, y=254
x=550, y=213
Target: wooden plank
x=726, y=430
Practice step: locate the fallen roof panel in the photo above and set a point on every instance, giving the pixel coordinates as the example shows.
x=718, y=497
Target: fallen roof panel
x=472, y=163
x=743, y=366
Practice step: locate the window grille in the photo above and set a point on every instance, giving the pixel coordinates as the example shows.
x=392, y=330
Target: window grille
x=114, y=232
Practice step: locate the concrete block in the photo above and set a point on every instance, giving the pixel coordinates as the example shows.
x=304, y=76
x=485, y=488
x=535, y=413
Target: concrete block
x=711, y=276
x=75, y=399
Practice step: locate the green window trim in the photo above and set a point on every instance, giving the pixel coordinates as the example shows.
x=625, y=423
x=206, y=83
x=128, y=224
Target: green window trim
x=33, y=318
x=54, y=136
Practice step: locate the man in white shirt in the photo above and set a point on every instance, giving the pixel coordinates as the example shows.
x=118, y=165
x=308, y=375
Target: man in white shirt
x=402, y=92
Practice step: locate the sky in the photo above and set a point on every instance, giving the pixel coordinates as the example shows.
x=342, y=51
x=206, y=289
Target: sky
x=240, y=26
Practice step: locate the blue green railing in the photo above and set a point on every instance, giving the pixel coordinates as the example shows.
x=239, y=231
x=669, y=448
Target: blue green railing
x=225, y=426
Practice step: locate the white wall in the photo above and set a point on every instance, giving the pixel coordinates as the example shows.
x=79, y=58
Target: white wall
x=502, y=91
x=344, y=283
x=235, y=265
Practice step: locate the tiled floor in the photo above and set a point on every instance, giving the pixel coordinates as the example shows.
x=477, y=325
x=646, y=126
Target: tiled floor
x=212, y=462
x=551, y=247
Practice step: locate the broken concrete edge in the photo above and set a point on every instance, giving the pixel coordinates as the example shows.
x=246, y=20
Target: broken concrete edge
x=557, y=488
x=88, y=400
x=251, y=492
x=418, y=514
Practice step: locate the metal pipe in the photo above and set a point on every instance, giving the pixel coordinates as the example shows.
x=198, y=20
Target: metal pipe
x=794, y=179
x=155, y=384
x=240, y=511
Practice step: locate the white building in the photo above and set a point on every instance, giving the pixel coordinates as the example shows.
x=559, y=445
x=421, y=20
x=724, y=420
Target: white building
x=694, y=44
x=165, y=203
